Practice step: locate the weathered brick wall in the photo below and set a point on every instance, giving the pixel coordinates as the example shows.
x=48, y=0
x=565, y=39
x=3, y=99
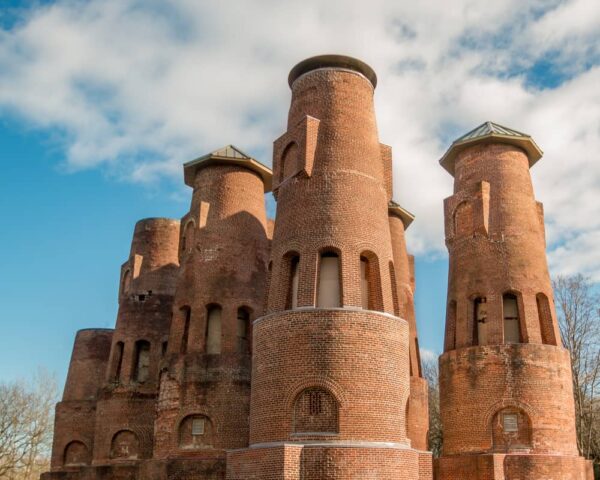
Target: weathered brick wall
x=223, y=263
x=358, y=357
x=75, y=415
x=478, y=382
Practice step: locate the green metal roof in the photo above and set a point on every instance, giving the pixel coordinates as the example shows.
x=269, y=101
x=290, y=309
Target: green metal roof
x=228, y=155
x=490, y=132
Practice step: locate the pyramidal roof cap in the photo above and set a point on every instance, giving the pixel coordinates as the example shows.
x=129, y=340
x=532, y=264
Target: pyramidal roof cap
x=490, y=132
x=228, y=155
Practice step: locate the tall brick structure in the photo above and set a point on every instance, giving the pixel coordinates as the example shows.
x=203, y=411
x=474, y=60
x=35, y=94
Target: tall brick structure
x=505, y=380
x=253, y=349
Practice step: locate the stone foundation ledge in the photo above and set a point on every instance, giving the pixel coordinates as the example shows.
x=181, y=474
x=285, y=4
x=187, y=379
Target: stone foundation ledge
x=318, y=461
x=498, y=466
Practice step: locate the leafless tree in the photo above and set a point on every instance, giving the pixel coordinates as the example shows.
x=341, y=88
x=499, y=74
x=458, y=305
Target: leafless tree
x=26, y=426
x=432, y=375
x=578, y=310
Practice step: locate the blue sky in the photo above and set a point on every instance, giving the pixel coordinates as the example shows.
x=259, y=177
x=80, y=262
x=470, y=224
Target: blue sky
x=102, y=101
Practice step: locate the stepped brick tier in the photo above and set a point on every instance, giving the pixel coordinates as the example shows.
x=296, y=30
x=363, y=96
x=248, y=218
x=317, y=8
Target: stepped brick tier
x=247, y=348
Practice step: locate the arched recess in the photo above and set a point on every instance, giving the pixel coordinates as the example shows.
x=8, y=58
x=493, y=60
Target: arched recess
x=125, y=445
x=511, y=429
x=195, y=432
x=316, y=411
x=463, y=219
x=213, y=329
x=187, y=239
x=370, y=276
x=76, y=453
x=126, y=284
x=141, y=372
x=289, y=161
x=511, y=318
x=545, y=318
x=329, y=281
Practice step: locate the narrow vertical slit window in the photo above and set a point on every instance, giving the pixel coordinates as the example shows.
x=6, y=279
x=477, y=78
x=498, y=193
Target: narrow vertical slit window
x=294, y=272
x=395, y=298
x=365, y=288
x=213, y=330
x=118, y=361
x=512, y=327
x=480, y=324
x=451, y=326
x=243, y=324
x=186, y=313
x=329, y=291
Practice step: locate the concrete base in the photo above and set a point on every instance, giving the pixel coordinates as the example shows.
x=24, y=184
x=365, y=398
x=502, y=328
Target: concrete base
x=516, y=466
x=291, y=461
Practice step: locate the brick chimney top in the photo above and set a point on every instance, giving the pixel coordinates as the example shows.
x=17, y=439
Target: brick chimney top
x=341, y=62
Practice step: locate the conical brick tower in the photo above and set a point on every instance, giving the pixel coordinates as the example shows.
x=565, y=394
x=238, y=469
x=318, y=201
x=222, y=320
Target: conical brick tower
x=330, y=377
x=505, y=380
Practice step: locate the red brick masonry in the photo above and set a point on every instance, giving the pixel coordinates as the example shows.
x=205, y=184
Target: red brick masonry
x=253, y=349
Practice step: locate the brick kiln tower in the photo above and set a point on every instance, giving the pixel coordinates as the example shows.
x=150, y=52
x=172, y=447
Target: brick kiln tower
x=330, y=377
x=108, y=408
x=225, y=364
x=505, y=380
x=205, y=383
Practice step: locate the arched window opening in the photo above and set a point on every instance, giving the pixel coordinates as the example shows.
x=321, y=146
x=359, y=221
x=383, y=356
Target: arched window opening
x=125, y=445
x=480, y=323
x=213, y=330
x=315, y=411
x=545, y=317
x=512, y=327
x=450, y=340
x=186, y=314
x=187, y=239
x=117, y=361
x=142, y=361
x=395, y=298
x=126, y=285
x=289, y=161
x=243, y=327
x=463, y=219
x=511, y=430
x=76, y=453
x=370, y=282
x=195, y=432
x=293, y=282
x=329, y=291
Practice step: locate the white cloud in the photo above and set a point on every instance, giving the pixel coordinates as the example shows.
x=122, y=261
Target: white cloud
x=138, y=88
